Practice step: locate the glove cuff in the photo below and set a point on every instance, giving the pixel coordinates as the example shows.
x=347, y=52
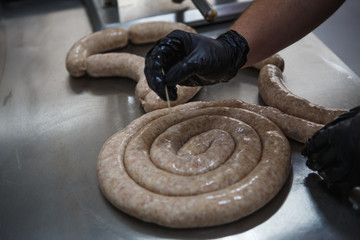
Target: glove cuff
x=239, y=48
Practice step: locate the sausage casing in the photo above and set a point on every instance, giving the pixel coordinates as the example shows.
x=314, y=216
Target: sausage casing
x=221, y=200
x=97, y=42
x=152, y=31
x=275, y=94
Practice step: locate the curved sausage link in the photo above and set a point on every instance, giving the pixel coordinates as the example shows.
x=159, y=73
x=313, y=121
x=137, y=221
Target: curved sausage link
x=293, y=127
x=84, y=57
x=97, y=42
x=275, y=94
x=275, y=59
x=116, y=65
x=152, y=31
x=132, y=66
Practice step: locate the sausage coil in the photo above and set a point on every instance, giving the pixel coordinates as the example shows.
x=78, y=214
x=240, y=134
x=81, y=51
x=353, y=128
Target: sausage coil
x=140, y=168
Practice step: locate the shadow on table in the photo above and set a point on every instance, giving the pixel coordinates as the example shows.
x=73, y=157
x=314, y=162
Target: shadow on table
x=334, y=206
x=237, y=227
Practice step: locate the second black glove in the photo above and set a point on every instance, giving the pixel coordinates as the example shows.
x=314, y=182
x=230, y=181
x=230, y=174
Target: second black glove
x=334, y=151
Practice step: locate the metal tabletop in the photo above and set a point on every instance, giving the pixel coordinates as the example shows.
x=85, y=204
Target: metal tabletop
x=52, y=127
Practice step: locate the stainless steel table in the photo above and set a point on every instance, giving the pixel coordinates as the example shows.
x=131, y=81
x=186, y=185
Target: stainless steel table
x=52, y=127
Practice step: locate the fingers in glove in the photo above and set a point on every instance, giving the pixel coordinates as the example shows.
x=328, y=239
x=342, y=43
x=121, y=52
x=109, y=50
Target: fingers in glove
x=324, y=159
x=172, y=91
x=347, y=115
x=194, y=80
x=354, y=197
x=157, y=80
x=331, y=131
x=185, y=73
x=158, y=60
x=205, y=61
x=329, y=162
x=317, y=143
x=336, y=175
x=181, y=71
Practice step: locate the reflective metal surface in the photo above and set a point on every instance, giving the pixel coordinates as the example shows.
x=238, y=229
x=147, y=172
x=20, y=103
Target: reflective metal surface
x=127, y=12
x=53, y=126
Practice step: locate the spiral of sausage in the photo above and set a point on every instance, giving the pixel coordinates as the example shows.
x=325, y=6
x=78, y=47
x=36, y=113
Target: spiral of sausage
x=198, y=164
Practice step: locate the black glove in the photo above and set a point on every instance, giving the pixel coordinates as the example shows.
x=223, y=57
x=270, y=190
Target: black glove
x=334, y=151
x=193, y=60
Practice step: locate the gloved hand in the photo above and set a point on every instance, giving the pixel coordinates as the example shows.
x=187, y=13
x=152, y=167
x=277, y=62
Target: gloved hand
x=193, y=60
x=334, y=151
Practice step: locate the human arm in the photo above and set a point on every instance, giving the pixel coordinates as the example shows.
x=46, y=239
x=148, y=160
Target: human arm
x=266, y=27
x=271, y=25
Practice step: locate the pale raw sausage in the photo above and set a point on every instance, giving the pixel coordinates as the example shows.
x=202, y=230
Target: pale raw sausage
x=164, y=167
x=97, y=42
x=150, y=32
x=275, y=94
x=275, y=59
x=86, y=56
x=132, y=66
x=139, y=172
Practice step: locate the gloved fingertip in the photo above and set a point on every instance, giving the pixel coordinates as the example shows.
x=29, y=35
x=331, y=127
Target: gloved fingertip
x=181, y=71
x=172, y=91
x=179, y=35
x=318, y=141
x=308, y=150
x=305, y=151
x=354, y=197
x=312, y=164
x=161, y=95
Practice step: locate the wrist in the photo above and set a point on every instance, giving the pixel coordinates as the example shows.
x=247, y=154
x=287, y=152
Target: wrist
x=238, y=48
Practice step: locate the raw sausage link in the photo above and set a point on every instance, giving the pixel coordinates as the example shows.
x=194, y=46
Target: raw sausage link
x=84, y=58
x=295, y=128
x=97, y=42
x=116, y=65
x=275, y=59
x=114, y=38
x=132, y=66
x=275, y=94
x=150, y=101
x=195, y=198
x=152, y=31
